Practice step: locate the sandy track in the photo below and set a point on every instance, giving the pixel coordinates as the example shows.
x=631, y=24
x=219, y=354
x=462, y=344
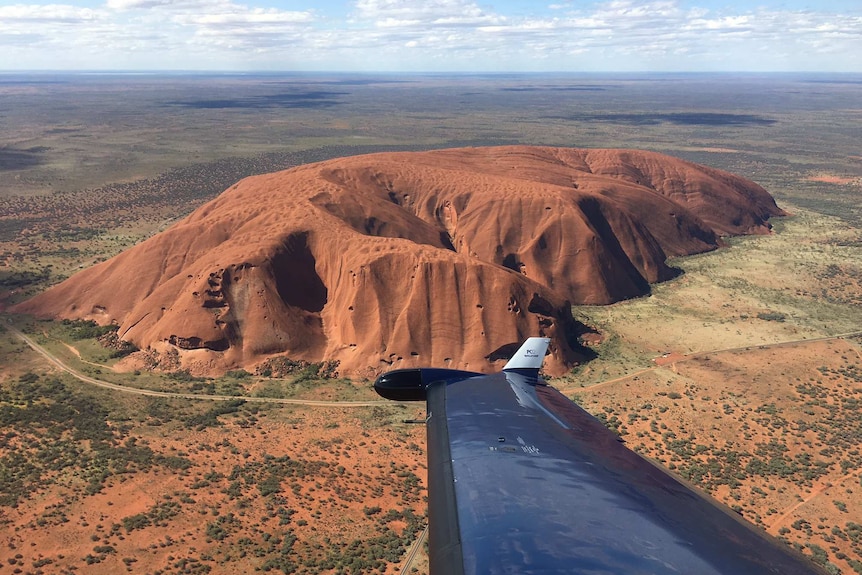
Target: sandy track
x=698, y=354
x=785, y=515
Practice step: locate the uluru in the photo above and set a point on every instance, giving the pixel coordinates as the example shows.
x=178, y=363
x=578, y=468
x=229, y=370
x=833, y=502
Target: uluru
x=390, y=260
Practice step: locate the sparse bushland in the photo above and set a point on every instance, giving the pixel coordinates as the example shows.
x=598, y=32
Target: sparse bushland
x=48, y=430
x=236, y=486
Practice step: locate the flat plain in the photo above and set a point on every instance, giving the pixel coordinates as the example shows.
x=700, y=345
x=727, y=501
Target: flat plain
x=732, y=375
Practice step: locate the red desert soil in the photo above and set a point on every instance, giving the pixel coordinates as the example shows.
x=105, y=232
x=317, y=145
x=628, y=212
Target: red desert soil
x=405, y=259
x=772, y=432
x=339, y=486
x=832, y=179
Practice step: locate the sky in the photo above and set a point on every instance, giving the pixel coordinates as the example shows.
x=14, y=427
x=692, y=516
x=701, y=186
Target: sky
x=434, y=35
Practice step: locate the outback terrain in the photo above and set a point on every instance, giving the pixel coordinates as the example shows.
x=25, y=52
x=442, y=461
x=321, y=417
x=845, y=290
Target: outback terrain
x=732, y=373
x=101, y=482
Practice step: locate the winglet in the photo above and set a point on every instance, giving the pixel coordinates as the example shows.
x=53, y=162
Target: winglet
x=530, y=356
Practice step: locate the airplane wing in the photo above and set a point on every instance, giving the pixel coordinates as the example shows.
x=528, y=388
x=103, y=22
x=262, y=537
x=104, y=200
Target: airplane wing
x=522, y=480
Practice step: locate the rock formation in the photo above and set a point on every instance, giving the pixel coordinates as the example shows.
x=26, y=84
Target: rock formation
x=403, y=259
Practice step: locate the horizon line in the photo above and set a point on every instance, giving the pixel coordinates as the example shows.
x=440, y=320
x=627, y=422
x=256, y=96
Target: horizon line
x=142, y=71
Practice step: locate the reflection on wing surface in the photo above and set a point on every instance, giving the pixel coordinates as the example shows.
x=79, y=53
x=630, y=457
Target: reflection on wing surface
x=522, y=480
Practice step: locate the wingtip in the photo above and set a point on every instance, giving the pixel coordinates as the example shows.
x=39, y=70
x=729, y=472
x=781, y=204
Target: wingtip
x=530, y=356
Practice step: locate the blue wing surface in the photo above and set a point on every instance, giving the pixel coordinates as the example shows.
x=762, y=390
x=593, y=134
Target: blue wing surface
x=522, y=480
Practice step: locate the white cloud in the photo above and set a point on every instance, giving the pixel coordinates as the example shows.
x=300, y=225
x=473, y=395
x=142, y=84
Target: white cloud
x=424, y=12
x=451, y=34
x=164, y=4
x=47, y=13
x=251, y=19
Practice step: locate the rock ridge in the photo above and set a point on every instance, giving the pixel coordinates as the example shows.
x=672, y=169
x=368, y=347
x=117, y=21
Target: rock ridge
x=417, y=258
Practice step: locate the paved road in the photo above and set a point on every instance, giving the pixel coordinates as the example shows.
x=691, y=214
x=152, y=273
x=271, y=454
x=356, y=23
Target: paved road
x=57, y=362
x=414, y=550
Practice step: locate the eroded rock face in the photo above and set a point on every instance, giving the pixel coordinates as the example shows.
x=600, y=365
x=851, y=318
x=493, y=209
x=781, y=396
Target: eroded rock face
x=394, y=260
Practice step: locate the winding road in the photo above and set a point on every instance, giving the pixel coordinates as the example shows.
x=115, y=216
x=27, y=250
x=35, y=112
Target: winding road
x=59, y=364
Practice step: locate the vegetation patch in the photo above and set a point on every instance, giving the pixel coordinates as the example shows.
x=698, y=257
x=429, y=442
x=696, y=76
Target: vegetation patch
x=47, y=429
x=281, y=366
